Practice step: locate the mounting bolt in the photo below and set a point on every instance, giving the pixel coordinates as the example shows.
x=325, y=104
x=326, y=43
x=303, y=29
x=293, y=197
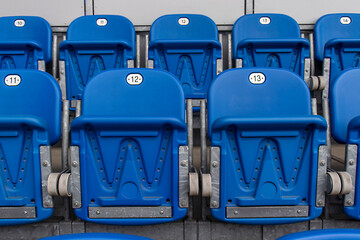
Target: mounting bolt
x=236, y=212
x=47, y=203
x=162, y=212
x=25, y=212
x=183, y=163
x=183, y=204
x=97, y=212
x=320, y=202
x=45, y=164
x=349, y=202
x=214, y=204
x=298, y=211
x=322, y=163
x=351, y=162
x=74, y=164
x=214, y=164
x=76, y=204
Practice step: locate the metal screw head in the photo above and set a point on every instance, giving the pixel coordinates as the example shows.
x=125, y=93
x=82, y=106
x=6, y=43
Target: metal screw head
x=298, y=211
x=351, y=162
x=183, y=204
x=74, y=164
x=322, y=163
x=183, y=163
x=45, y=164
x=161, y=212
x=236, y=212
x=214, y=164
x=349, y=202
x=25, y=212
x=97, y=212
x=320, y=203
x=76, y=204
x=47, y=203
x=214, y=203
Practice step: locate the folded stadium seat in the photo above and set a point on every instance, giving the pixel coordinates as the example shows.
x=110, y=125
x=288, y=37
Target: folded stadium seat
x=25, y=42
x=94, y=44
x=337, y=42
x=337, y=46
x=187, y=45
x=96, y=236
x=267, y=157
x=328, y=234
x=345, y=115
x=30, y=119
x=270, y=40
x=129, y=159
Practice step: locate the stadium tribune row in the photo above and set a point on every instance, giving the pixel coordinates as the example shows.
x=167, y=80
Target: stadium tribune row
x=131, y=151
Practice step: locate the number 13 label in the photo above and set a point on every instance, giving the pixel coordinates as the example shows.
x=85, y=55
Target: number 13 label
x=257, y=78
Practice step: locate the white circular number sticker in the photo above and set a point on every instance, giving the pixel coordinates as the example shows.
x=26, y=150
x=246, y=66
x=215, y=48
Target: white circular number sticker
x=345, y=20
x=265, y=20
x=101, y=22
x=19, y=23
x=12, y=80
x=134, y=79
x=184, y=21
x=257, y=78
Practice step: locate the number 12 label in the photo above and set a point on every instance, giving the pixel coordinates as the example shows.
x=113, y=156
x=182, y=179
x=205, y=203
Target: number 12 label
x=134, y=79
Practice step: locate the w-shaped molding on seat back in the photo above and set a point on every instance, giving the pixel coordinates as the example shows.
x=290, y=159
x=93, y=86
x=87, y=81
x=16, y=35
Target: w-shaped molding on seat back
x=186, y=45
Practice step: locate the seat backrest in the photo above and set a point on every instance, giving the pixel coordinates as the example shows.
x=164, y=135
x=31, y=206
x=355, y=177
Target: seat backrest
x=334, y=26
x=96, y=236
x=186, y=45
x=255, y=100
x=269, y=40
x=24, y=41
x=263, y=26
x=94, y=44
x=154, y=96
x=337, y=37
x=102, y=28
x=345, y=234
x=344, y=103
x=31, y=93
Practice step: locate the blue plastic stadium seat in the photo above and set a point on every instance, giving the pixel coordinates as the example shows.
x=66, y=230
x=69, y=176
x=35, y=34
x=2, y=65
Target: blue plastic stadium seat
x=337, y=36
x=345, y=121
x=130, y=135
x=96, y=236
x=267, y=144
x=324, y=234
x=270, y=40
x=186, y=45
x=94, y=44
x=24, y=40
x=30, y=119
